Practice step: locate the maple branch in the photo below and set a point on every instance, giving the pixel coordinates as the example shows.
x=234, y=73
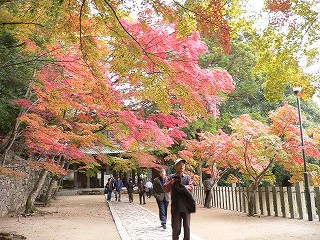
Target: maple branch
x=4, y=1
x=81, y=42
x=16, y=133
x=130, y=35
x=80, y=25
x=21, y=23
x=116, y=16
x=197, y=14
x=245, y=160
x=33, y=60
x=262, y=175
x=217, y=179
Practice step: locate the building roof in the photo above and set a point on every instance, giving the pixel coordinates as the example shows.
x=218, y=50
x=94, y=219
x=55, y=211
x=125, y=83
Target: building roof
x=101, y=150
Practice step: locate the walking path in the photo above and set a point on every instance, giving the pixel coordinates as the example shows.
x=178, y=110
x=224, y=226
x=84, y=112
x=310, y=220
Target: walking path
x=88, y=217
x=135, y=222
x=141, y=222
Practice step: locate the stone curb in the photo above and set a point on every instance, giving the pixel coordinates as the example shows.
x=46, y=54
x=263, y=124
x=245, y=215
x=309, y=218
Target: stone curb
x=121, y=229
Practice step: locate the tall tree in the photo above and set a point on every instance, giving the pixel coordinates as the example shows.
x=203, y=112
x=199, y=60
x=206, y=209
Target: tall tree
x=156, y=74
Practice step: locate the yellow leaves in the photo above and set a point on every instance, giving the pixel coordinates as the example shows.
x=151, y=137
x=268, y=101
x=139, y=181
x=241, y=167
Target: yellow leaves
x=237, y=22
x=186, y=25
x=122, y=164
x=233, y=179
x=189, y=103
x=281, y=69
x=298, y=170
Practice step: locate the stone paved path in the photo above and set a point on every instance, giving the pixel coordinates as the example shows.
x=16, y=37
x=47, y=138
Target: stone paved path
x=135, y=222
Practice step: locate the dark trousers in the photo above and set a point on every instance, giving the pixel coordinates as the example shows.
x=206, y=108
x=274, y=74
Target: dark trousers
x=176, y=219
x=109, y=195
x=118, y=195
x=207, y=200
x=130, y=194
x=142, y=195
x=163, y=207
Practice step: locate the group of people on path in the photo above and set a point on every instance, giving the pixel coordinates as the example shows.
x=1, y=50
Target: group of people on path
x=113, y=185
x=178, y=187
x=144, y=189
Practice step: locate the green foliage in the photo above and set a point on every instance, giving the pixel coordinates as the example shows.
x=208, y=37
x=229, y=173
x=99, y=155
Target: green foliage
x=248, y=98
x=201, y=125
x=244, y=182
x=122, y=164
x=92, y=169
x=282, y=176
x=14, y=78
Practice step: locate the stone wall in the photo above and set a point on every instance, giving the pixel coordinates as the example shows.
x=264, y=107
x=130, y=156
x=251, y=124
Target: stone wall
x=14, y=190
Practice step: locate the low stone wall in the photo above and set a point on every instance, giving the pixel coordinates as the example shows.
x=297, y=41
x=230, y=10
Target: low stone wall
x=80, y=191
x=14, y=191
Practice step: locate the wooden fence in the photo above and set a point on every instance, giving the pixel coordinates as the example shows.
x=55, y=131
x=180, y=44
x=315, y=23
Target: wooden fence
x=286, y=202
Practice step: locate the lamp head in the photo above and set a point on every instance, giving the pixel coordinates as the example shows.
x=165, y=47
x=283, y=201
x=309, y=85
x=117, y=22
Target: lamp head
x=297, y=90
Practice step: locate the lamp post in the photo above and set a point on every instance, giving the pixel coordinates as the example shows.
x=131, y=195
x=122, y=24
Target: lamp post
x=306, y=176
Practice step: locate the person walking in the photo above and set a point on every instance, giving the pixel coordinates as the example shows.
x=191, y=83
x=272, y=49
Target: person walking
x=108, y=189
x=161, y=196
x=130, y=187
x=141, y=191
x=149, y=188
x=180, y=185
x=207, y=186
x=118, y=185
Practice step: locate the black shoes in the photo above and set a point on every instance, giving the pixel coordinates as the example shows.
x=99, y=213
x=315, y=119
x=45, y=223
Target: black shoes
x=163, y=225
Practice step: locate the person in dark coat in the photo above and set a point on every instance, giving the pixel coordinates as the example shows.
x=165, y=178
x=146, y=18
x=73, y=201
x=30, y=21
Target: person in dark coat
x=118, y=184
x=182, y=203
x=108, y=189
x=207, y=186
x=130, y=186
x=161, y=196
x=141, y=191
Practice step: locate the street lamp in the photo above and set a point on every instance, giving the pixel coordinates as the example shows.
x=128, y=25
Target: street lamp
x=306, y=176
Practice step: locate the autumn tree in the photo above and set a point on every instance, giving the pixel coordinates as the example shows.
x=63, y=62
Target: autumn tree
x=78, y=23
x=88, y=87
x=211, y=154
x=100, y=67
x=259, y=146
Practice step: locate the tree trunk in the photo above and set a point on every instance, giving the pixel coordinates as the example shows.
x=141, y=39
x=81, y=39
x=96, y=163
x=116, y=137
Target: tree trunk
x=59, y=183
x=55, y=182
x=48, y=196
x=35, y=191
x=251, y=200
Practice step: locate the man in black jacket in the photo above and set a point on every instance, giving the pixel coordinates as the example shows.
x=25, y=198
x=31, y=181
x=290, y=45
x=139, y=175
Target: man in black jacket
x=182, y=202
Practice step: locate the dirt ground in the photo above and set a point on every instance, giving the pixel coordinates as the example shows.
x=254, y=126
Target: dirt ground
x=219, y=224
x=87, y=217
x=69, y=217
